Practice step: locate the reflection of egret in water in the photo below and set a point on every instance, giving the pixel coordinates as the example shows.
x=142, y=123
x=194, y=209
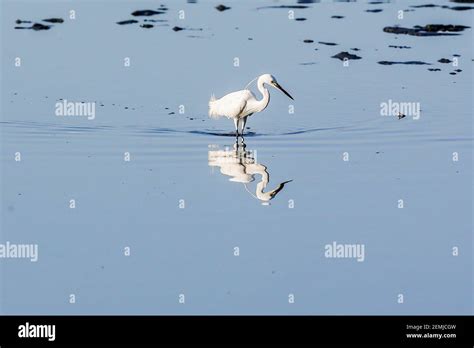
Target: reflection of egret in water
x=241, y=165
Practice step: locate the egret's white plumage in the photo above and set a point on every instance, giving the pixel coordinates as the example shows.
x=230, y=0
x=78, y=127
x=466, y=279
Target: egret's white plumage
x=242, y=104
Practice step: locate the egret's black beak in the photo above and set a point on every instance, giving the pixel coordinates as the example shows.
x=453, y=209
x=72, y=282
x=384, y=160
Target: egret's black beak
x=281, y=89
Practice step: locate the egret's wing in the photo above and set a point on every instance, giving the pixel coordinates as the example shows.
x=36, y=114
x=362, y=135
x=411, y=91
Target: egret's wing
x=230, y=105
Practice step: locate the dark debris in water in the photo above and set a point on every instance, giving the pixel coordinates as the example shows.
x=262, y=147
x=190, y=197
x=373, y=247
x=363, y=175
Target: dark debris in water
x=308, y=41
x=454, y=8
x=401, y=47
x=300, y=19
x=147, y=26
x=222, y=8
x=327, y=43
x=411, y=62
x=140, y=13
x=427, y=30
x=36, y=27
x=130, y=21
x=295, y=7
x=375, y=10
x=54, y=20
x=434, y=69
x=345, y=56
x=445, y=60
x=337, y=17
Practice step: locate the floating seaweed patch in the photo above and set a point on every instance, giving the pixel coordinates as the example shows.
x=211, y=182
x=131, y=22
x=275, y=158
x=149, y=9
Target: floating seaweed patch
x=401, y=47
x=295, y=7
x=222, y=8
x=54, y=20
x=346, y=55
x=146, y=13
x=129, y=21
x=36, y=27
x=327, y=43
x=427, y=30
x=411, y=62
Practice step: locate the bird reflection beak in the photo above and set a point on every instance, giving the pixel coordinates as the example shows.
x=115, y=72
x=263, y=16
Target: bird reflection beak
x=281, y=89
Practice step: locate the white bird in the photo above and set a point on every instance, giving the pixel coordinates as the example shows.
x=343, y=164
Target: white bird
x=242, y=104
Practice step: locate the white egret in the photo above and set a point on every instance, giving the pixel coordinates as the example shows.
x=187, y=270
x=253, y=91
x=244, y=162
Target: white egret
x=242, y=104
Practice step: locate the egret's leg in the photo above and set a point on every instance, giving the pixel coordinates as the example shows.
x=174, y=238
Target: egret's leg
x=244, y=121
x=236, y=124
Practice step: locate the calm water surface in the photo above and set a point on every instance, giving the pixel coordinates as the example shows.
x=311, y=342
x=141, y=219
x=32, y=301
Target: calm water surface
x=186, y=159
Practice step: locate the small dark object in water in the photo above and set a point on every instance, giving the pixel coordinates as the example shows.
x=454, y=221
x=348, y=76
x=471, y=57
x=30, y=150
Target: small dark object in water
x=444, y=60
x=355, y=49
x=308, y=41
x=171, y=113
x=146, y=26
x=400, y=115
x=39, y=26
x=221, y=8
x=427, y=30
x=463, y=1
x=393, y=46
x=424, y=6
x=130, y=21
x=250, y=38
x=459, y=8
x=375, y=10
x=411, y=62
x=337, y=17
x=126, y=108
x=458, y=70
x=442, y=27
x=434, y=69
x=299, y=19
x=177, y=28
x=327, y=43
x=19, y=21
x=284, y=6
x=54, y=20
x=456, y=55
x=36, y=27
x=345, y=55
x=452, y=73
x=146, y=13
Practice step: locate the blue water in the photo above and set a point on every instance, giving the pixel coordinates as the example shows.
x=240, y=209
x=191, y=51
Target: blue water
x=190, y=250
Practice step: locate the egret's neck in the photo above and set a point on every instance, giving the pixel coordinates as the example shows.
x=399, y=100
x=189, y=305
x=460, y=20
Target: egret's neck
x=262, y=104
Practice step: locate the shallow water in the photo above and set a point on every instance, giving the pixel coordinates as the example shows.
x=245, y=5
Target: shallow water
x=177, y=159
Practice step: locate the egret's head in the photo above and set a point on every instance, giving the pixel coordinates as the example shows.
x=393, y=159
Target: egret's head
x=271, y=80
